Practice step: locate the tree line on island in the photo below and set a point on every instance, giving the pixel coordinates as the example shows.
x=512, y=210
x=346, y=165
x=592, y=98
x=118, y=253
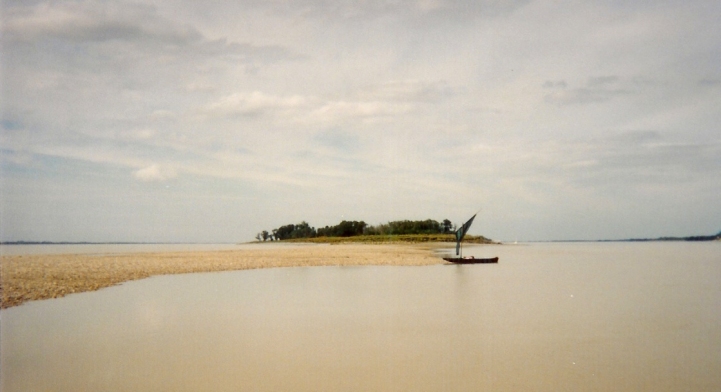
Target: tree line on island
x=356, y=228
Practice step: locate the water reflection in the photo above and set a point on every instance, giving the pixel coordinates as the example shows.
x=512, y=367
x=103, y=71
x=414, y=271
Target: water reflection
x=547, y=317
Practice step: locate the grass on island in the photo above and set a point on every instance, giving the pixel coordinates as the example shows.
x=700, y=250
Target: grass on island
x=384, y=239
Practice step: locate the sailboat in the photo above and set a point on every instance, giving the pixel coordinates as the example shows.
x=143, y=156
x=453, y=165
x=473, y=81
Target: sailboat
x=460, y=233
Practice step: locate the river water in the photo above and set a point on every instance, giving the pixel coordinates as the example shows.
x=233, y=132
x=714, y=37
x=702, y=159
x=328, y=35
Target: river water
x=547, y=317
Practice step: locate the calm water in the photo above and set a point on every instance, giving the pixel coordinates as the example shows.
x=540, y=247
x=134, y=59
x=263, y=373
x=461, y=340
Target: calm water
x=548, y=317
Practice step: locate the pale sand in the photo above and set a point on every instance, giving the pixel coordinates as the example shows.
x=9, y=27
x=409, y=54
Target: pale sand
x=33, y=277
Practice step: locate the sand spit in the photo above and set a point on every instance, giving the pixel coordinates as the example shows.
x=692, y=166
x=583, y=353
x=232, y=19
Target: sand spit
x=32, y=277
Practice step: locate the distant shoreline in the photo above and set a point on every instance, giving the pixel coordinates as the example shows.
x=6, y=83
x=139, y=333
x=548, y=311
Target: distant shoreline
x=696, y=238
x=409, y=238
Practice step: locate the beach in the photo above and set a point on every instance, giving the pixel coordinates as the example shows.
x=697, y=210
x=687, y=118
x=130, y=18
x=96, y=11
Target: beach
x=44, y=276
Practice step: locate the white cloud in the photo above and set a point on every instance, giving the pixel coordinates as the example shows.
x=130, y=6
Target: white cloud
x=313, y=111
x=139, y=134
x=155, y=172
x=409, y=91
x=162, y=114
x=373, y=9
x=200, y=87
x=339, y=111
x=255, y=103
x=597, y=90
x=317, y=109
x=93, y=21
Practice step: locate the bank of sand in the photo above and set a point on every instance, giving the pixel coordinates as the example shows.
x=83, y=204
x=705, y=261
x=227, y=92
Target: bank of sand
x=32, y=277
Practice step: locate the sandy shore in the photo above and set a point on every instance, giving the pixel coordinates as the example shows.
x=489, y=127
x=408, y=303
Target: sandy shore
x=32, y=277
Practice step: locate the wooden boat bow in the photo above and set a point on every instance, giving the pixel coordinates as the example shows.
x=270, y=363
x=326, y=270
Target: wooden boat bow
x=470, y=260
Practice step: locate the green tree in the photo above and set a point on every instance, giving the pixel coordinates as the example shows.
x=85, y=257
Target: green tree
x=447, y=225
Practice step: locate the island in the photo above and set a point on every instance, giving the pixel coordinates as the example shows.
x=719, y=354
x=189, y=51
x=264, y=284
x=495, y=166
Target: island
x=401, y=231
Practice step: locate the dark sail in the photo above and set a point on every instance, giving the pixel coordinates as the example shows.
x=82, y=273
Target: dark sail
x=461, y=232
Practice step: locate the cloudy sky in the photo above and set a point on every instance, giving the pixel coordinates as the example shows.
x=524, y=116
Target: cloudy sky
x=210, y=121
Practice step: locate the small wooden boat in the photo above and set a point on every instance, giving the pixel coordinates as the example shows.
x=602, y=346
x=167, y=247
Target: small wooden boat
x=470, y=260
x=460, y=233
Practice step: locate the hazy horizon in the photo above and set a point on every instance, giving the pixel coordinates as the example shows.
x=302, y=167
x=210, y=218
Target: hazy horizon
x=178, y=121
x=42, y=242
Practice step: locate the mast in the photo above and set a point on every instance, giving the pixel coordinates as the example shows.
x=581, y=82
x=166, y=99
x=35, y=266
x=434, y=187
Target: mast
x=461, y=232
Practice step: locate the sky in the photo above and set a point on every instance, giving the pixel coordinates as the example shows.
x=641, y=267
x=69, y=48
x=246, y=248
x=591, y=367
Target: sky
x=187, y=121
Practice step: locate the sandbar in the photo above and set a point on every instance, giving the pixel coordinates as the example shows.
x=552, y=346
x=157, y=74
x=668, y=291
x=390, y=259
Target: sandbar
x=34, y=277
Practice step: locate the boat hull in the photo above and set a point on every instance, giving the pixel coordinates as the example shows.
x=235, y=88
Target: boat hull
x=470, y=261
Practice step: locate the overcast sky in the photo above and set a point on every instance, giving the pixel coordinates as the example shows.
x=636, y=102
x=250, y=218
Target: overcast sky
x=210, y=121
